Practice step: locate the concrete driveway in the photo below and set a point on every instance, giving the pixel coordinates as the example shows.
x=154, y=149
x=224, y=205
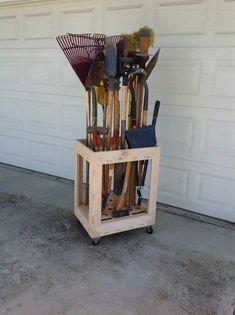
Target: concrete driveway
x=48, y=267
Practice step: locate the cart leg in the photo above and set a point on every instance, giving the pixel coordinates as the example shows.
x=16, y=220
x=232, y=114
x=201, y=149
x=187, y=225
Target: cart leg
x=149, y=229
x=95, y=241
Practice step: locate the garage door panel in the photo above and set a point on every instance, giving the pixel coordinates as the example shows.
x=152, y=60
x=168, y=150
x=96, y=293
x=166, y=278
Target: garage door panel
x=223, y=78
x=8, y=73
x=183, y=80
x=197, y=134
x=47, y=154
x=180, y=17
x=177, y=76
x=12, y=147
x=69, y=83
x=209, y=190
x=178, y=184
x=41, y=117
x=43, y=153
x=11, y=112
x=176, y=131
x=67, y=159
x=210, y=187
x=39, y=24
x=83, y=19
x=217, y=137
x=47, y=72
x=9, y=26
x=58, y=116
x=132, y=14
x=39, y=73
x=200, y=102
x=72, y=120
x=225, y=17
x=58, y=158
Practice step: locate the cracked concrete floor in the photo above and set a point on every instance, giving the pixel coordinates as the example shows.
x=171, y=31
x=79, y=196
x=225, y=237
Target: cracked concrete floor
x=47, y=266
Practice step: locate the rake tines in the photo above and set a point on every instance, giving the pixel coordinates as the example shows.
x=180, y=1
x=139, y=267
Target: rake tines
x=85, y=40
x=80, y=50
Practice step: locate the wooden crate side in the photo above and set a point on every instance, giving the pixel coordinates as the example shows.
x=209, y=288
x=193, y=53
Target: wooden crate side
x=76, y=176
x=115, y=156
x=78, y=180
x=95, y=193
x=83, y=150
x=127, y=155
x=123, y=224
x=90, y=217
x=152, y=199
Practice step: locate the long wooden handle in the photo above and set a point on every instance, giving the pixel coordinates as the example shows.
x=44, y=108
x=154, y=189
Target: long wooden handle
x=122, y=200
x=88, y=113
x=110, y=118
x=123, y=114
x=109, y=168
x=94, y=107
x=116, y=121
x=88, y=139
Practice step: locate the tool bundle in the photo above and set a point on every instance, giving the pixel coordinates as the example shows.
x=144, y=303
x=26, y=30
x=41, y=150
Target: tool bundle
x=110, y=66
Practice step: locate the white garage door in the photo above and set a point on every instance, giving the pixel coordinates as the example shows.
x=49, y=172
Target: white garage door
x=42, y=103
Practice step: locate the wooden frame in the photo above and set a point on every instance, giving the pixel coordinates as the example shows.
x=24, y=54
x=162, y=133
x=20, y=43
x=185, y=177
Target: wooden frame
x=90, y=216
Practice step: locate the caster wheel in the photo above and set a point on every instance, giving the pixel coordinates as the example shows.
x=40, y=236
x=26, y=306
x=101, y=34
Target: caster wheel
x=95, y=241
x=149, y=229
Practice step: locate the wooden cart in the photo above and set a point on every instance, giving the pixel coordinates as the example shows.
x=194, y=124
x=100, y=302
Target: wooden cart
x=96, y=224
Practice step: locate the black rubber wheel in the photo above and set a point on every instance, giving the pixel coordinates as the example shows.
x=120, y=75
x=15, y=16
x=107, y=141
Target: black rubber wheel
x=95, y=241
x=149, y=229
